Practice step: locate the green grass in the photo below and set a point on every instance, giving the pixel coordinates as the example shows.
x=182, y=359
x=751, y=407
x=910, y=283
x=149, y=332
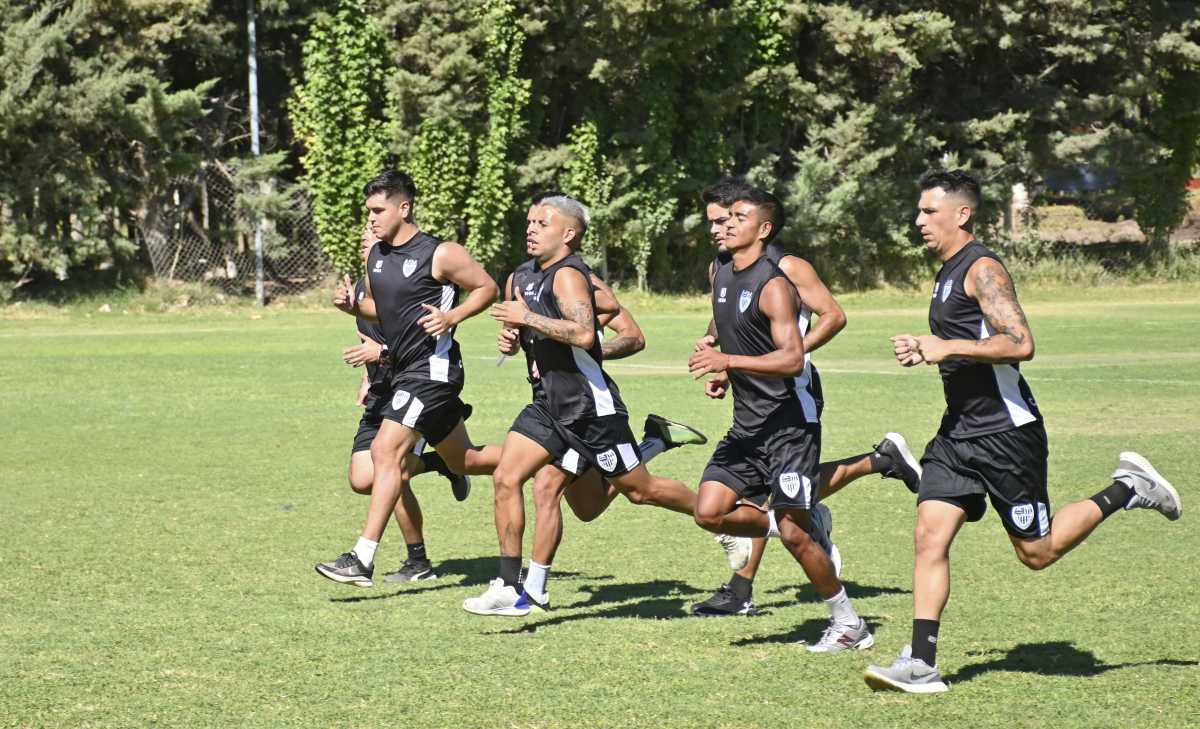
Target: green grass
x=169, y=479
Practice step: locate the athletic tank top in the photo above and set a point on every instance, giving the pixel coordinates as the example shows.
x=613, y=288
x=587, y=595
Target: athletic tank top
x=574, y=385
x=526, y=279
x=981, y=398
x=368, y=329
x=401, y=280
x=743, y=329
x=808, y=382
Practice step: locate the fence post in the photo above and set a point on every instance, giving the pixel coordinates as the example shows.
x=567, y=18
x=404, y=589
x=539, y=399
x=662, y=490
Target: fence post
x=259, y=293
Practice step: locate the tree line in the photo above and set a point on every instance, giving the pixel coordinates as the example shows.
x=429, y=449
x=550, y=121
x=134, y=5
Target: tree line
x=633, y=107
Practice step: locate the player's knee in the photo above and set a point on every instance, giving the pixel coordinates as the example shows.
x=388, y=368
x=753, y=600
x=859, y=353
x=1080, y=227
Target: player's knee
x=707, y=519
x=1035, y=559
x=636, y=496
x=929, y=543
x=360, y=484
x=791, y=532
x=506, y=480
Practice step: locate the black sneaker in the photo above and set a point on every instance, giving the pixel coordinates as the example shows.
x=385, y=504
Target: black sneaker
x=460, y=486
x=348, y=570
x=722, y=603
x=901, y=463
x=413, y=570
x=672, y=433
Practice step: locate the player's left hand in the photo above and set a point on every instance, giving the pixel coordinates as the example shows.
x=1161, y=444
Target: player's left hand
x=707, y=360
x=366, y=353
x=435, y=321
x=717, y=386
x=511, y=313
x=906, y=350
x=933, y=349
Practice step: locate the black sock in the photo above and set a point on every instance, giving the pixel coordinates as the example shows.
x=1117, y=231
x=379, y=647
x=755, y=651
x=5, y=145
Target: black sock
x=431, y=462
x=416, y=552
x=510, y=570
x=879, y=462
x=924, y=641
x=1113, y=499
x=742, y=588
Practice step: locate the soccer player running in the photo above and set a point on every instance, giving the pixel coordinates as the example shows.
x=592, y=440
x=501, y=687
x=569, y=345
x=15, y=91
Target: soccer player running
x=992, y=441
x=579, y=420
x=891, y=457
x=413, y=280
x=407, y=511
x=772, y=446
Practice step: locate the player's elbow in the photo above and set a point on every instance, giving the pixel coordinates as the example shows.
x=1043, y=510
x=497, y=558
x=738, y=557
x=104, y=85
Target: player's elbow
x=793, y=363
x=1024, y=351
x=638, y=343
x=492, y=290
x=586, y=339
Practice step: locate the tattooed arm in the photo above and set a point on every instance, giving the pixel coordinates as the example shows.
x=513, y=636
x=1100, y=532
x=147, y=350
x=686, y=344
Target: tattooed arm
x=988, y=283
x=629, y=339
x=573, y=292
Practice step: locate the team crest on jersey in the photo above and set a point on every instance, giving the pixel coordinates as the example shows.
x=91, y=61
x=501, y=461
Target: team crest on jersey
x=410, y=265
x=362, y=295
x=378, y=265
x=744, y=300
x=721, y=296
x=607, y=460
x=947, y=287
x=399, y=399
x=789, y=483
x=1022, y=515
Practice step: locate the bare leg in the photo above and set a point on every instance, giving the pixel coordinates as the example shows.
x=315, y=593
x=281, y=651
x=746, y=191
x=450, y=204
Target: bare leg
x=362, y=473
x=937, y=524
x=589, y=495
x=520, y=459
x=548, y=486
x=793, y=532
x=408, y=515
x=836, y=475
x=642, y=487
x=756, y=555
x=463, y=457
x=1070, y=526
x=391, y=443
x=718, y=511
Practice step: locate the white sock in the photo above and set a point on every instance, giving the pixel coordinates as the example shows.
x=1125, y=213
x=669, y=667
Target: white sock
x=365, y=549
x=841, y=609
x=535, y=579
x=773, y=529
x=651, y=447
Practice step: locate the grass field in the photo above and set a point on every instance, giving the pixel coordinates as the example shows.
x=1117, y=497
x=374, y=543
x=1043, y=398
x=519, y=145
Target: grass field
x=167, y=482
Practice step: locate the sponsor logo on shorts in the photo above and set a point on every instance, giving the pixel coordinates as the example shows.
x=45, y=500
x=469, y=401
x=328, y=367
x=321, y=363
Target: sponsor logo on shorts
x=410, y=265
x=400, y=399
x=790, y=484
x=744, y=300
x=1022, y=515
x=721, y=296
x=607, y=460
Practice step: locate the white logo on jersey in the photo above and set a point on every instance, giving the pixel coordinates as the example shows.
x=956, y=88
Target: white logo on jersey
x=410, y=265
x=607, y=460
x=744, y=300
x=790, y=483
x=379, y=265
x=721, y=296
x=946, y=289
x=399, y=399
x=362, y=295
x=538, y=295
x=1022, y=515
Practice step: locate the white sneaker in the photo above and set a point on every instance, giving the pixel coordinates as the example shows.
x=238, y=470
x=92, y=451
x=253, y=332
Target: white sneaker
x=838, y=638
x=908, y=674
x=499, y=599
x=737, y=549
x=1150, y=489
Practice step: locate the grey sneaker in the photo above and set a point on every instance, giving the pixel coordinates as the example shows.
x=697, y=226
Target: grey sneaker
x=737, y=549
x=904, y=466
x=348, y=570
x=1150, y=489
x=908, y=674
x=672, y=433
x=822, y=522
x=838, y=638
x=413, y=570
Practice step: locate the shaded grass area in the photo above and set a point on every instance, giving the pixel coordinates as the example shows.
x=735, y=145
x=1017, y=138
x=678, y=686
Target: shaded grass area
x=170, y=479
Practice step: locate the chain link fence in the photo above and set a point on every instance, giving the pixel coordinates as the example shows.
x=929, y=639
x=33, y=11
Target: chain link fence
x=197, y=231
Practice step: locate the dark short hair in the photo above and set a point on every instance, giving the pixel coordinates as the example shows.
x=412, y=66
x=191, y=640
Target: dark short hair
x=769, y=204
x=953, y=181
x=544, y=194
x=391, y=183
x=725, y=191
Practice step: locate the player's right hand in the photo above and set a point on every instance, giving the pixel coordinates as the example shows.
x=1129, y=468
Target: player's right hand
x=717, y=386
x=509, y=341
x=907, y=350
x=343, y=295
x=705, y=342
x=366, y=353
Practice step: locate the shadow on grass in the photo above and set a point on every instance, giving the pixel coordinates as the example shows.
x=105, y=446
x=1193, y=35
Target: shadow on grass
x=472, y=570
x=623, y=592
x=663, y=608
x=854, y=590
x=1056, y=658
x=807, y=632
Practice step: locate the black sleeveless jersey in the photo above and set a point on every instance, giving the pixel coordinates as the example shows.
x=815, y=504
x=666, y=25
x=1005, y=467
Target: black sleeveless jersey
x=368, y=329
x=742, y=328
x=526, y=279
x=808, y=382
x=401, y=280
x=573, y=383
x=981, y=398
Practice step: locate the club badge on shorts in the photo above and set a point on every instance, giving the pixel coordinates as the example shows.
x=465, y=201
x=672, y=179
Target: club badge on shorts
x=789, y=483
x=1022, y=515
x=744, y=301
x=607, y=460
x=399, y=399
